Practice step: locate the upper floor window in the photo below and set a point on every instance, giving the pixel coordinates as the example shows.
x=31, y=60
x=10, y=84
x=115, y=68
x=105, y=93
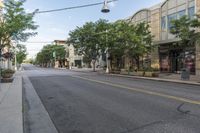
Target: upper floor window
x=191, y=12
x=170, y=18
x=181, y=14
x=163, y=23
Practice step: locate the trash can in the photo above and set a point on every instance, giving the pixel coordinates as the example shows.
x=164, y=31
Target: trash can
x=185, y=74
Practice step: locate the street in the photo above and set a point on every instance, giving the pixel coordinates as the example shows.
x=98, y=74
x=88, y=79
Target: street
x=80, y=102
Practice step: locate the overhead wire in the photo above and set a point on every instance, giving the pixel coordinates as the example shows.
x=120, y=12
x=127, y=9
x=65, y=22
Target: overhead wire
x=73, y=7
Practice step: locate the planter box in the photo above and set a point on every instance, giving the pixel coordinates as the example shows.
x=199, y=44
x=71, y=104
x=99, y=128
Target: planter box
x=155, y=74
x=116, y=72
x=133, y=73
x=148, y=74
x=151, y=74
x=123, y=70
x=6, y=80
x=124, y=73
x=140, y=73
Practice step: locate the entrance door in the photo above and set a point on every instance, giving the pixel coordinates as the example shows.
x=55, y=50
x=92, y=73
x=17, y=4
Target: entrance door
x=176, y=61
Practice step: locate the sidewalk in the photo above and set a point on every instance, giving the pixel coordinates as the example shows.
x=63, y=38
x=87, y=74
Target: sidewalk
x=11, y=120
x=175, y=78
x=169, y=77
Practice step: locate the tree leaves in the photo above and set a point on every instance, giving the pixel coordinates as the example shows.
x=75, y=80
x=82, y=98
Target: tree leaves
x=21, y=53
x=15, y=23
x=185, y=29
x=46, y=54
x=119, y=38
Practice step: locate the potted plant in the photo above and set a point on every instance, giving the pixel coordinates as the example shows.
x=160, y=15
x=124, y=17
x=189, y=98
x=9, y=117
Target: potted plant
x=7, y=75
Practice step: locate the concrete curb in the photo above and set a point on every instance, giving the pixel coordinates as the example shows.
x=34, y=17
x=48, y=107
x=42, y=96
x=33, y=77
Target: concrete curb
x=36, y=114
x=11, y=120
x=147, y=78
x=157, y=79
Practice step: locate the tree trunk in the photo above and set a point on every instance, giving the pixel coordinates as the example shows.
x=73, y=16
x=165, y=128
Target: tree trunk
x=137, y=60
x=94, y=62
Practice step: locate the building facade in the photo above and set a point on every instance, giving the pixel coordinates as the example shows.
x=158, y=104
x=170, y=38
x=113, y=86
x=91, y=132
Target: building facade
x=72, y=59
x=169, y=57
x=1, y=4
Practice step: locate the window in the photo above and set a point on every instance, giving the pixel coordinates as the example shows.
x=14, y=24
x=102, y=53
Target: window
x=170, y=18
x=181, y=14
x=163, y=23
x=191, y=12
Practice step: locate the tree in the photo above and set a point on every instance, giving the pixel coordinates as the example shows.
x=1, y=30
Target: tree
x=15, y=23
x=185, y=29
x=45, y=56
x=89, y=41
x=21, y=53
x=139, y=40
x=117, y=42
x=118, y=38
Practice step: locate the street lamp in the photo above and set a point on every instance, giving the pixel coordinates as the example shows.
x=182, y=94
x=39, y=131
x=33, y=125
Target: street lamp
x=15, y=53
x=107, y=55
x=105, y=8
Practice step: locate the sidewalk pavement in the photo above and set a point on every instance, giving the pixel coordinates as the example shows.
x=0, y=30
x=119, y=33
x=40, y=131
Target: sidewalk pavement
x=166, y=77
x=11, y=120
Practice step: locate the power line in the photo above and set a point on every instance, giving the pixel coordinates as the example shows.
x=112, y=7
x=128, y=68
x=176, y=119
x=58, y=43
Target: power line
x=73, y=7
x=38, y=42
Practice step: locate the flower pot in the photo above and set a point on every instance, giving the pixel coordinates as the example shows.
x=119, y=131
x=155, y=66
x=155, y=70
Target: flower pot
x=7, y=75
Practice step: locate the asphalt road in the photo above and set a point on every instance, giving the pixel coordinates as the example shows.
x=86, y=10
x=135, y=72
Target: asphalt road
x=96, y=103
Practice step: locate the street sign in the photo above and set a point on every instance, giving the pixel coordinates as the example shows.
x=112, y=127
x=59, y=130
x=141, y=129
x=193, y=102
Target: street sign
x=54, y=54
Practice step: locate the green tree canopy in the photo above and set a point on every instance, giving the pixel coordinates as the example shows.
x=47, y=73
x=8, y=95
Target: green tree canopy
x=21, y=53
x=139, y=41
x=46, y=54
x=89, y=40
x=185, y=29
x=15, y=23
x=118, y=38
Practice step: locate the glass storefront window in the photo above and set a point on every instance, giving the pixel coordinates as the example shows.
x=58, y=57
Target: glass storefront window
x=163, y=23
x=170, y=18
x=191, y=12
x=181, y=14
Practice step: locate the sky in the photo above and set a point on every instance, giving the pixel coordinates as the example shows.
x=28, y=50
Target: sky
x=57, y=25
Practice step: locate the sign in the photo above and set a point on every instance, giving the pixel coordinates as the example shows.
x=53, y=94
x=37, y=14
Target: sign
x=54, y=54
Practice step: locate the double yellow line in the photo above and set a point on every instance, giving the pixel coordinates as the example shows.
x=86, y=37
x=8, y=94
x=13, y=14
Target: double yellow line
x=181, y=99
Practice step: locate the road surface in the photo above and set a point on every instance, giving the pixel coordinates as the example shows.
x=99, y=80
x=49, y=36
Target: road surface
x=95, y=103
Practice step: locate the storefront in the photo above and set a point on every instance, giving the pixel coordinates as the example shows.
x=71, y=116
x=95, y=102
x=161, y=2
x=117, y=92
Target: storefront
x=173, y=58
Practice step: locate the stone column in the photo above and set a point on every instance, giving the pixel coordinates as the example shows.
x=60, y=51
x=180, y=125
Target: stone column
x=155, y=59
x=197, y=59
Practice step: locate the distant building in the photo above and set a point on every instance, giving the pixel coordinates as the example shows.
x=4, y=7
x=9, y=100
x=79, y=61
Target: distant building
x=72, y=58
x=1, y=4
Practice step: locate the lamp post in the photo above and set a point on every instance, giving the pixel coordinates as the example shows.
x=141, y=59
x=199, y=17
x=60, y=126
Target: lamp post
x=106, y=9
x=15, y=53
x=107, y=55
x=15, y=60
x=54, y=55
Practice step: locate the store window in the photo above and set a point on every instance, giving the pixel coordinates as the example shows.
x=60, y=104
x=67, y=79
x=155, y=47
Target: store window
x=181, y=14
x=191, y=12
x=163, y=23
x=171, y=17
